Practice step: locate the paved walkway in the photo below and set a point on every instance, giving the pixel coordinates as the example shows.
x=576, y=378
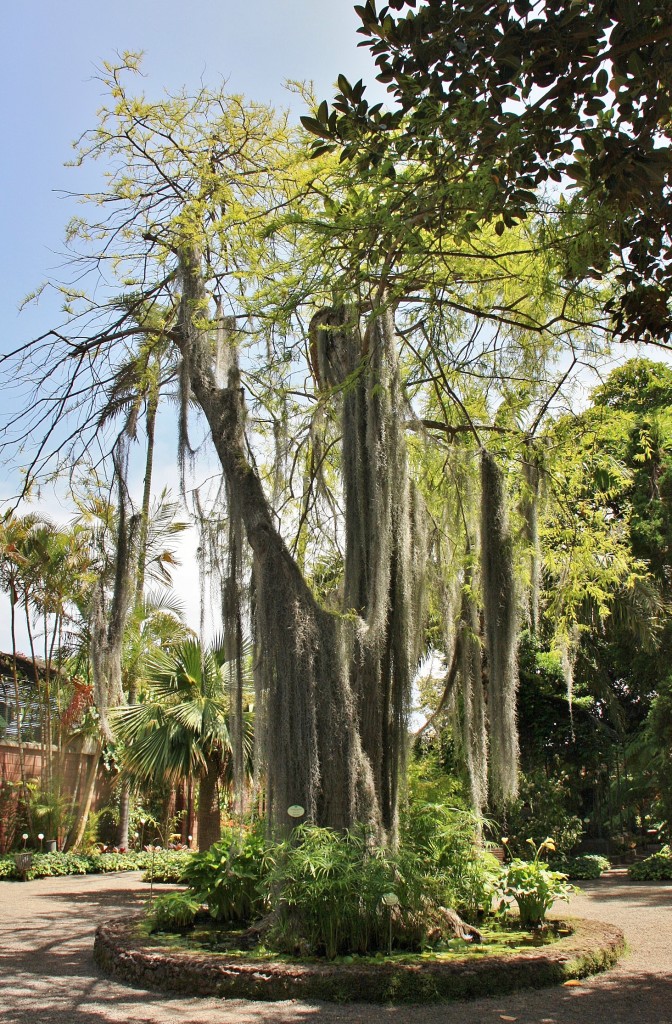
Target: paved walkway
x=47, y=974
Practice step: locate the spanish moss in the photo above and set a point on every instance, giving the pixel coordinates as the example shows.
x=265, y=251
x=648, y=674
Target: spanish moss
x=474, y=726
x=333, y=691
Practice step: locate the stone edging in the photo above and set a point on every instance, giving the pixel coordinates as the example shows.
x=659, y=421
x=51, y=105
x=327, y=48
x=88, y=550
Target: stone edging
x=121, y=951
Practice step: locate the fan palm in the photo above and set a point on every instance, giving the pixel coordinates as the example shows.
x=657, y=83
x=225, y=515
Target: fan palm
x=179, y=729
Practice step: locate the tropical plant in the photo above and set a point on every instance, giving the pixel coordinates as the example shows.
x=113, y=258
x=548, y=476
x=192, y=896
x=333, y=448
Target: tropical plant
x=447, y=838
x=533, y=886
x=339, y=893
x=231, y=877
x=172, y=911
x=179, y=729
x=542, y=810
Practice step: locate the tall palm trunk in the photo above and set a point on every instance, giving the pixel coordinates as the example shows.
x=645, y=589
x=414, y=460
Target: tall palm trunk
x=17, y=704
x=209, y=821
x=152, y=406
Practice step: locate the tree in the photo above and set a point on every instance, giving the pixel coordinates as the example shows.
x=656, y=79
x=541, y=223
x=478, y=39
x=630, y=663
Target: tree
x=202, y=181
x=500, y=98
x=264, y=266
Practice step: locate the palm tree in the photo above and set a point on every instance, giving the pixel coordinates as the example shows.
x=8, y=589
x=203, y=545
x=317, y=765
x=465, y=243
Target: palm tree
x=180, y=729
x=154, y=623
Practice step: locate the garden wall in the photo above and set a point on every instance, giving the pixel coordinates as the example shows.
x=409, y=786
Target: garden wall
x=75, y=766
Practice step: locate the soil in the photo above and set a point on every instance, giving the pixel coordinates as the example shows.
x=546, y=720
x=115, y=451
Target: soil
x=47, y=971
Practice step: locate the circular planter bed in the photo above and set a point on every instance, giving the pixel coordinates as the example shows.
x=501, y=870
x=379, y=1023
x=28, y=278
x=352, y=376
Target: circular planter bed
x=123, y=950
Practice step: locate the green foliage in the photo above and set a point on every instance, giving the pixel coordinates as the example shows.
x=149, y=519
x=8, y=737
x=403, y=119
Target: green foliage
x=658, y=737
x=639, y=386
x=534, y=886
x=333, y=888
x=431, y=775
x=329, y=892
x=330, y=889
x=583, y=867
x=467, y=65
x=172, y=911
x=168, y=865
x=49, y=865
x=444, y=837
x=540, y=811
x=656, y=868
x=230, y=877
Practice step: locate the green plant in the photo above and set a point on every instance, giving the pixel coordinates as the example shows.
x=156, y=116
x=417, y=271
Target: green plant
x=656, y=868
x=172, y=911
x=170, y=866
x=228, y=877
x=465, y=873
x=330, y=887
x=342, y=893
x=585, y=866
x=541, y=810
x=533, y=885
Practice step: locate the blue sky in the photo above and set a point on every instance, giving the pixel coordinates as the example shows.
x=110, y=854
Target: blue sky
x=50, y=96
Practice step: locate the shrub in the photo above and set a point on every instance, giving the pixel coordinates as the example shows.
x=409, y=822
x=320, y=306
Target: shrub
x=7, y=867
x=172, y=911
x=533, y=886
x=228, y=877
x=168, y=865
x=583, y=867
x=656, y=868
x=342, y=893
x=334, y=891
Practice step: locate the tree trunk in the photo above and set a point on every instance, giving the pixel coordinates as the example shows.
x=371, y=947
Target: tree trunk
x=124, y=816
x=209, y=820
x=152, y=407
x=17, y=706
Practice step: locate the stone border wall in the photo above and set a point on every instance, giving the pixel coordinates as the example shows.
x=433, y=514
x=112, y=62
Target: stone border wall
x=122, y=951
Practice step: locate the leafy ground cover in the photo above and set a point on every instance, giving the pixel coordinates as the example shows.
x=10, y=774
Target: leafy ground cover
x=168, y=865
x=584, y=867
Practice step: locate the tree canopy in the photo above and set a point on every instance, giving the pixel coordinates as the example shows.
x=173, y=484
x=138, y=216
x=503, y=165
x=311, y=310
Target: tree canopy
x=501, y=99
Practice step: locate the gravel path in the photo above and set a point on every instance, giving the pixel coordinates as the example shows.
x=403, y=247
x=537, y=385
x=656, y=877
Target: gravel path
x=47, y=974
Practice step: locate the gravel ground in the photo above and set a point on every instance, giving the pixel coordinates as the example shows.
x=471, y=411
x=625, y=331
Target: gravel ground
x=47, y=974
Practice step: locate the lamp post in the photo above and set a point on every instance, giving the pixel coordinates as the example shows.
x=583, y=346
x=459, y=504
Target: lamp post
x=24, y=837
x=40, y=836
